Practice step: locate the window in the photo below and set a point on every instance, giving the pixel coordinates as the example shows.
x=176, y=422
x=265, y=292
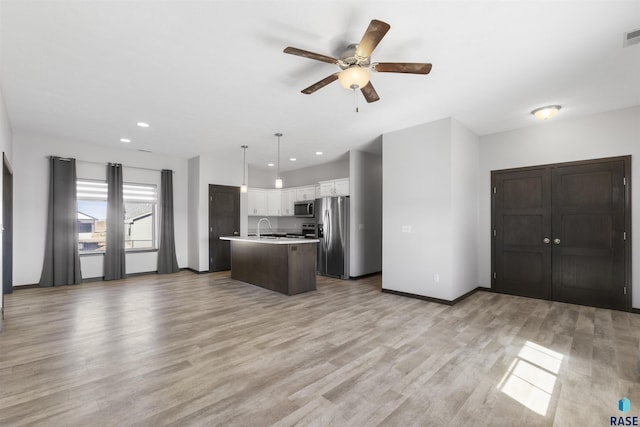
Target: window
x=139, y=224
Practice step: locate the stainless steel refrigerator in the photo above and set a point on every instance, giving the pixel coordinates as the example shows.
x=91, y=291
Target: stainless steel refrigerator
x=332, y=229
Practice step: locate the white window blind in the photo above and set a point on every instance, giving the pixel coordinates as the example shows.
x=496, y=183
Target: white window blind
x=97, y=190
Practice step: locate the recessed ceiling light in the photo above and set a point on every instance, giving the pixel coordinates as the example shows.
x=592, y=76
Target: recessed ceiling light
x=293, y=159
x=143, y=124
x=270, y=165
x=127, y=140
x=319, y=153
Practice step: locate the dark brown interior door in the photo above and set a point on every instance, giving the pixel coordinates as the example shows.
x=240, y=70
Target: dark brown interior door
x=522, y=222
x=560, y=232
x=224, y=220
x=588, y=234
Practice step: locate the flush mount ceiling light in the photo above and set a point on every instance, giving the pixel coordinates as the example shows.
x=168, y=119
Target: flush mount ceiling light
x=292, y=159
x=270, y=165
x=125, y=140
x=546, y=113
x=243, y=187
x=278, y=179
x=143, y=124
x=319, y=153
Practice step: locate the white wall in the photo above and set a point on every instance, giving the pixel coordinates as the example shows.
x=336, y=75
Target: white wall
x=429, y=210
x=465, y=151
x=224, y=168
x=365, y=182
x=31, y=176
x=313, y=174
x=615, y=133
x=6, y=147
x=416, y=170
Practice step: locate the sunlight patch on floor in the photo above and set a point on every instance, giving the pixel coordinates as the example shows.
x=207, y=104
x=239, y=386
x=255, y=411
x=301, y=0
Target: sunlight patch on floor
x=531, y=377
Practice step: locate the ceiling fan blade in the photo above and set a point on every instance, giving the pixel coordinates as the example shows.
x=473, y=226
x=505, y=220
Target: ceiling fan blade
x=305, y=53
x=375, y=32
x=322, y=83
x=370, y=93
x=401, y=67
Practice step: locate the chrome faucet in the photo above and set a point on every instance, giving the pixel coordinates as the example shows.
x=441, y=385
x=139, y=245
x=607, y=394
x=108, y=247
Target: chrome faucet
x=258, y=231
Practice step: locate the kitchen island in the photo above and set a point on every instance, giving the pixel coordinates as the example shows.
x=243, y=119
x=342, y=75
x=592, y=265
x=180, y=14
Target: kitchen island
x=281, y=264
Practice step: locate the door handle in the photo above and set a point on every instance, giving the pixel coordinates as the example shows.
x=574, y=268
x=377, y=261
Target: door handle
x=556, y=241
x=546, y=240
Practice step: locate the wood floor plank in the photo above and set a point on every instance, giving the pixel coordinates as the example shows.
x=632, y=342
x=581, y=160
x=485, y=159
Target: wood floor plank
x=191, y=350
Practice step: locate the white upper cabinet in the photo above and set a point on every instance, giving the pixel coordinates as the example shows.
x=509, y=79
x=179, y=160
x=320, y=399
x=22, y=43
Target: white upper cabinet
x=274, y=202
x=336, y=187
x=279, y=202
x=288, y=199
x=257, y=202
x=305, y=193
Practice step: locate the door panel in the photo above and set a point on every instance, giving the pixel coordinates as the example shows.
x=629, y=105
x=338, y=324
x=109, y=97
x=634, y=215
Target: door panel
x=582, y=209
x=521, y=222
x=224, y=220
x=589, y=221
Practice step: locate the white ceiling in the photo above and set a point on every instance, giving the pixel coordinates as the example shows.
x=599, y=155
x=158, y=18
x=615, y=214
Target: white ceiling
x=210, y=76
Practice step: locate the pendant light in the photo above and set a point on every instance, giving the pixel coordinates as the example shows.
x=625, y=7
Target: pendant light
x=278, y=179
x=243, y=187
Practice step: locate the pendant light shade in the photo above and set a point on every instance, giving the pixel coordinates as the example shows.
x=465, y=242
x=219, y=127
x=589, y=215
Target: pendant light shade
x=244, y=188
x=278, y=179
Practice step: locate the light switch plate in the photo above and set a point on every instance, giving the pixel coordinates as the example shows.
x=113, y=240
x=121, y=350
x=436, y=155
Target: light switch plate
x=406, y=229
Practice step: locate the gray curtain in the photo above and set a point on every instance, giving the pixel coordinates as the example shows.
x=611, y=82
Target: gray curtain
x=167, y=262
x=114, y=256
x=61, y=258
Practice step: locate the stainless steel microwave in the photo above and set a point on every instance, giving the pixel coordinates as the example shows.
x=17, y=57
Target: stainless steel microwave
x=304, y=209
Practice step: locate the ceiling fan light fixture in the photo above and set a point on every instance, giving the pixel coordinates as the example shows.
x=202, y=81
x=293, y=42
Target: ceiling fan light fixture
x=546, y=113
x=354, y=77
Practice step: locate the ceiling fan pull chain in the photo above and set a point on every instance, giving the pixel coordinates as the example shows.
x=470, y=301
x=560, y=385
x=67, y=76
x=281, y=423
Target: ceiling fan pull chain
x=355, y=100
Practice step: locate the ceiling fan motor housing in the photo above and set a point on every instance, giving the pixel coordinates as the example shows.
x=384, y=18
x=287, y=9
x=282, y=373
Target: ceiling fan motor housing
x=348, y=58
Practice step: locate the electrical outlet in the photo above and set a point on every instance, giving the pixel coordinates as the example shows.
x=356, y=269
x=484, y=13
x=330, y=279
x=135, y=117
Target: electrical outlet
x=406, y=229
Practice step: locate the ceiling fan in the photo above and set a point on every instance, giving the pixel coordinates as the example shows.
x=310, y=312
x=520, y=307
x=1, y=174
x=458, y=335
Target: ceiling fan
x=355, y=63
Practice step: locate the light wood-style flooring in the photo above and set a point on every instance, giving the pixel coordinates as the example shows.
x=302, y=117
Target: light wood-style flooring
x=205, y=350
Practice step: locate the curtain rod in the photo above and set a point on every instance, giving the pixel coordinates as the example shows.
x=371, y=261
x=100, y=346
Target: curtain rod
x=67, y=159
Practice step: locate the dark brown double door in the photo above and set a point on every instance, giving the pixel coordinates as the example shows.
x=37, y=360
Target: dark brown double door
x=560, y=232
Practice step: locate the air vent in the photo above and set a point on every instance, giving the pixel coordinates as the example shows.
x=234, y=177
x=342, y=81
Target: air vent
x=144, y=151
x=631, y=38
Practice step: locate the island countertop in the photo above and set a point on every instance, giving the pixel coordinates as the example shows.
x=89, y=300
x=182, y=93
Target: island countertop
x=270, y=240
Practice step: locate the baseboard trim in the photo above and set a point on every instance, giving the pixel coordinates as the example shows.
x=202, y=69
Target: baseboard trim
x=193, y=270
x=364, y=276
x=35, y=285
x=431, y=299
x=635, y=310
